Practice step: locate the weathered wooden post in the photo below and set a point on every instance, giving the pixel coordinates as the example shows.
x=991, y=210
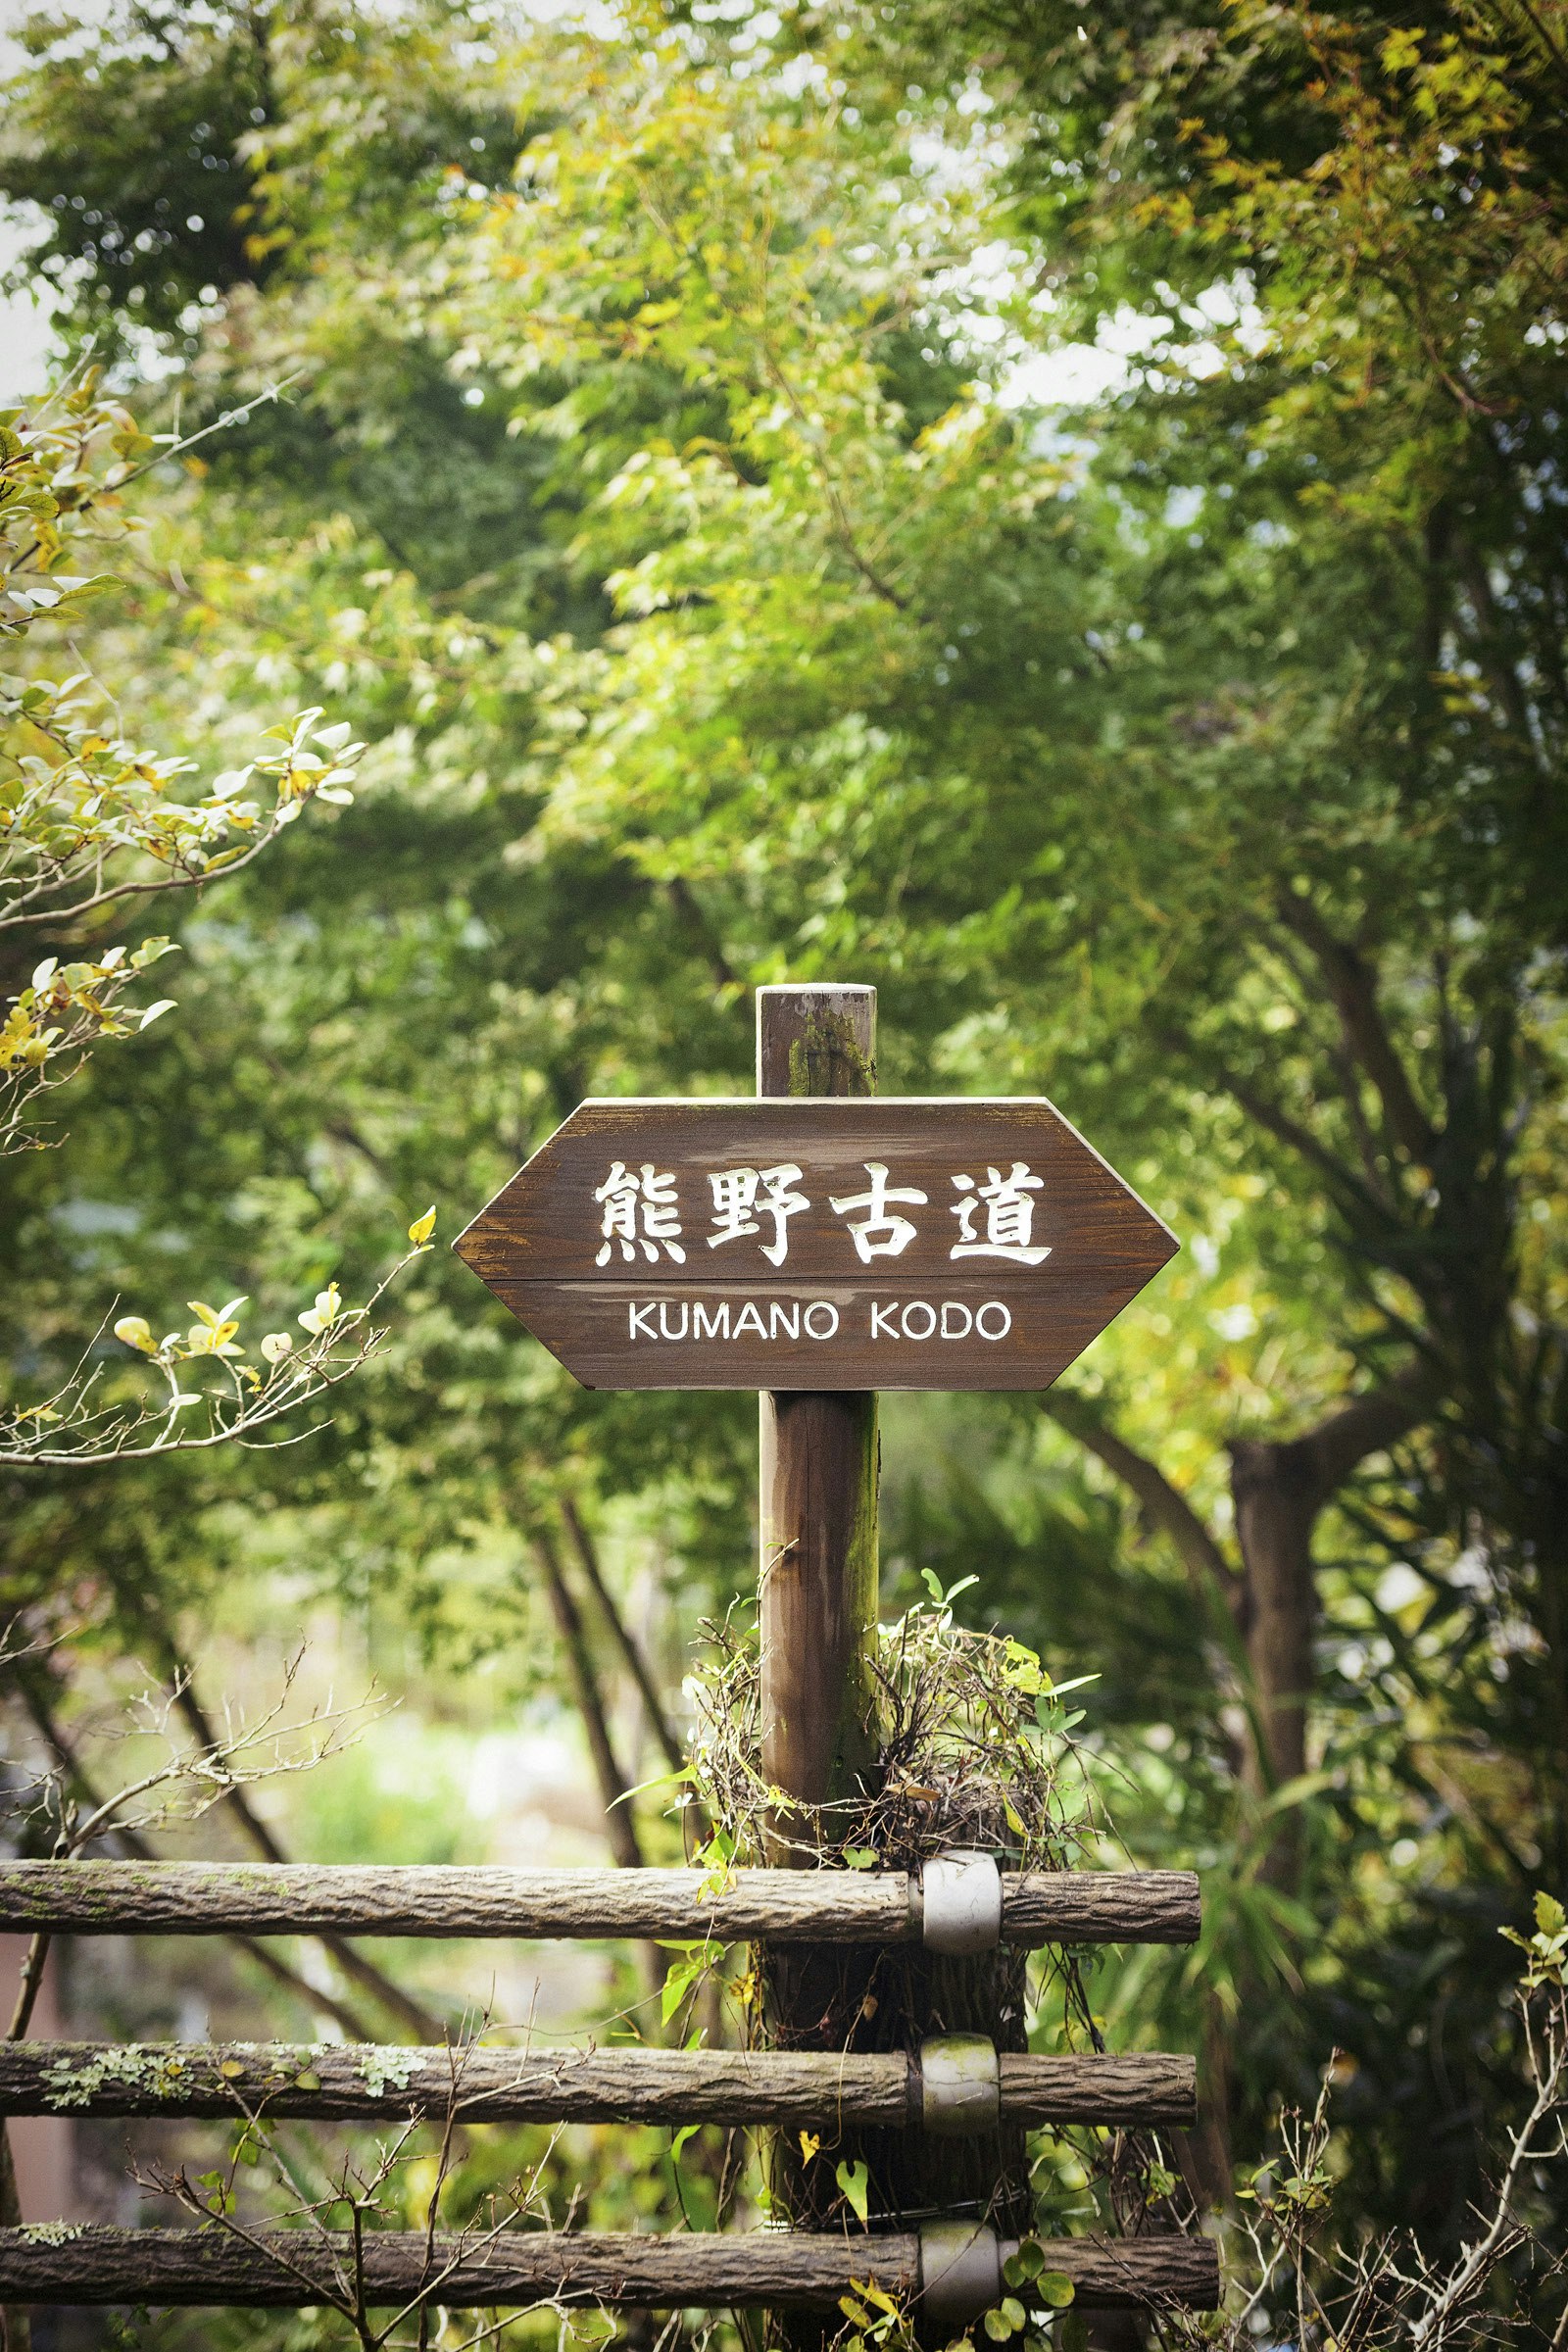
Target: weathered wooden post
x=818, y=1484
x=817, y=1462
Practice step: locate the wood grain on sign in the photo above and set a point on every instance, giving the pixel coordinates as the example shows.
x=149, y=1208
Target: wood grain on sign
x=962, y=1243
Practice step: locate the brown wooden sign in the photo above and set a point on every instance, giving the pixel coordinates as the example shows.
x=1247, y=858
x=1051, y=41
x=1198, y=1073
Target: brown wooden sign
x=894, y=1243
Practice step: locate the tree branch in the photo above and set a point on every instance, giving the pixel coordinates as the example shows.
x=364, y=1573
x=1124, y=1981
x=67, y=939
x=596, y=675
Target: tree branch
x=685, y=902
x=637, y=1665
x=1279, y=1123
x=1368, y=1424
x=1162, y=1504
x=1489, y=633
x=355, y=1966
x=139, y=1850
x=1352, y=985
x=620, y=1828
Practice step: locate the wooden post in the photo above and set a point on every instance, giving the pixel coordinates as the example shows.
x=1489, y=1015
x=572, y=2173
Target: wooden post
x=816, y=1612
x=819, y=1477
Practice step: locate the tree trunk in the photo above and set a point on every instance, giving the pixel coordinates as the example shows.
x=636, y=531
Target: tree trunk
x=1278, y=1496
x=615, y=1785
x=1280, y=1488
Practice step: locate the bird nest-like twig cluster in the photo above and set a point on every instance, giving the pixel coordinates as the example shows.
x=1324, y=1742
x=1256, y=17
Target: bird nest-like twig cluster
x=968, y=1742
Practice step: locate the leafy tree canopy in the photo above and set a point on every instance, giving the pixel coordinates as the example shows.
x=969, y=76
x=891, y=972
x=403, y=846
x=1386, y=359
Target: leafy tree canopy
x=670, y=491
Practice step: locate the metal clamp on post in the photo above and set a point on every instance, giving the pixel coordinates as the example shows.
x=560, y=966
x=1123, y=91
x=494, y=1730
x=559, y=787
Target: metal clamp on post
x=961, y=1904
x=960, y=2276
x=960, y=2084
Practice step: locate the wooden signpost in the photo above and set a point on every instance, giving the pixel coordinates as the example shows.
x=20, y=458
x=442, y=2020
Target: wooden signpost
x=816, y=1245
x=838, y=1244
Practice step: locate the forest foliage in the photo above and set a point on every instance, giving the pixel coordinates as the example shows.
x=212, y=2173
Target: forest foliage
x=1059, y=514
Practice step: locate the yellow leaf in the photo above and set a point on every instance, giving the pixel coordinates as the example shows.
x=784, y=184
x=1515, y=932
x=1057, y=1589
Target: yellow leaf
x=137, y=1331
x=810, y=2141
x=420, y=1230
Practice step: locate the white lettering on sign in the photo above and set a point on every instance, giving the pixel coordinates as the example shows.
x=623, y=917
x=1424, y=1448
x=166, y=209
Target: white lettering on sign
x=1010, y=1216
x=785, y=1318
x=652, y=1197
x=642, y=1211
x=897, y=1233
x=916, y=1319
x=736, y=1207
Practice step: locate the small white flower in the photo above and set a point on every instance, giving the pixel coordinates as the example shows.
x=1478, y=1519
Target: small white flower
x=317, y=1318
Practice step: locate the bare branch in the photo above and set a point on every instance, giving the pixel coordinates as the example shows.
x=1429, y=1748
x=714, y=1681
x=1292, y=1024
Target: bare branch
x=1368, y=1424
x=76, y=1778
x=1164, y=1505
x=354, y=1964
x=1352, y=985
x=613, y=1784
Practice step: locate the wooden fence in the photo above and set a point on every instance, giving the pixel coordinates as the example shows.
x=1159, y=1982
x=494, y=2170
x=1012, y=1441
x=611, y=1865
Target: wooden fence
x=284, y=2268
x=948, y=2085
x=342, y=2083
x=775, y=1906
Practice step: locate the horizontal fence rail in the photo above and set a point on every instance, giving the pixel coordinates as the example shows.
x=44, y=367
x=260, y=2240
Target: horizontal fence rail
x=781, y=1906
x=294, y=2268
x=339, y=2082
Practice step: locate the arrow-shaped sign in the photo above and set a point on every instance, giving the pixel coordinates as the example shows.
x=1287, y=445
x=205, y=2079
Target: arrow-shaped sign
x=896, y=1242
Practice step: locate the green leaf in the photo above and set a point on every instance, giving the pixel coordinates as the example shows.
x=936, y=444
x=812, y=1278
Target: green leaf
x=1055, y=2288
x=678, y=1984
x=853, y=2180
